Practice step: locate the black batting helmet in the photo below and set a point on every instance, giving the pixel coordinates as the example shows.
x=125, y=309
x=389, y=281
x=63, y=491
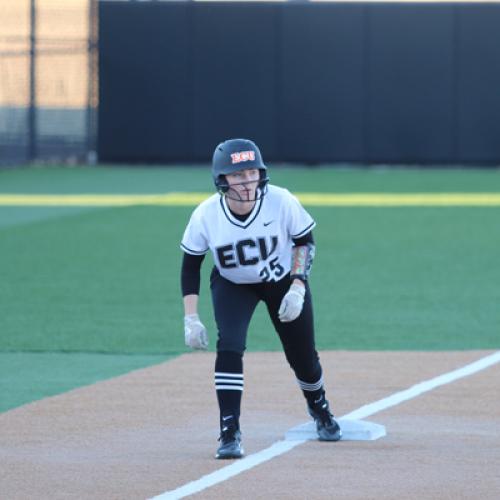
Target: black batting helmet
x=233, y=155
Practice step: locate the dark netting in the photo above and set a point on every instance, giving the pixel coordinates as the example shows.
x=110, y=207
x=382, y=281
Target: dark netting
x=48, y=80
x=14, y=79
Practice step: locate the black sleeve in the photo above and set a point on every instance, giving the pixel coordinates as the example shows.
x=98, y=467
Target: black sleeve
x=190, y=274
x=304, y=240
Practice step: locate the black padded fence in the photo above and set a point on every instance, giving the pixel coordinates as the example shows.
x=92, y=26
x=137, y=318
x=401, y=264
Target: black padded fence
x=366, y=83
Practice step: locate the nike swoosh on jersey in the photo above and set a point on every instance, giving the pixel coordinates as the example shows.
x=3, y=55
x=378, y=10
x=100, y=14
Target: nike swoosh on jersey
x=267, y=223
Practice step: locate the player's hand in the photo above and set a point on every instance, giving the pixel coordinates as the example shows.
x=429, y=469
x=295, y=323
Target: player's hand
x=292, y=303
x=195, y=333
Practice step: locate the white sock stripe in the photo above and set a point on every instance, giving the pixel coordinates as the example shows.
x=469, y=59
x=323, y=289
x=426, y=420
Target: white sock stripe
x=229, y=388
x=311, y=387
x=320, y=381
x=226, y=381
x=231, y=375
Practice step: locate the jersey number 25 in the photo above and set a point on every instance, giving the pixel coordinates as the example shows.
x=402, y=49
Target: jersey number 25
x=272, y=270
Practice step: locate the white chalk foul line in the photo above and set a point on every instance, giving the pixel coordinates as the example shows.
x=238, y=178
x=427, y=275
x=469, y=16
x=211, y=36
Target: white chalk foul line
x=425, y=386
x=281, y=447
x=230, y=470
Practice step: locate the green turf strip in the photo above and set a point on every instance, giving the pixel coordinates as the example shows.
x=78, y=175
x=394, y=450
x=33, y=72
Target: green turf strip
x=26, y=377
x=408, y=278
x=14, y=216
x=104, y=280
x=61, y=180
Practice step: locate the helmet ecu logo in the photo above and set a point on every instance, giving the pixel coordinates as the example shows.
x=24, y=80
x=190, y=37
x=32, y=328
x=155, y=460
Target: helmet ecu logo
x=242, y=156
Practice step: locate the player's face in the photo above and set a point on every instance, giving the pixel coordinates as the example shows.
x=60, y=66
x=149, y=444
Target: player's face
x=243, y=184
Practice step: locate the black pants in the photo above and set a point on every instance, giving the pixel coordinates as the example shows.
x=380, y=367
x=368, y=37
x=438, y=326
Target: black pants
x=234, y=305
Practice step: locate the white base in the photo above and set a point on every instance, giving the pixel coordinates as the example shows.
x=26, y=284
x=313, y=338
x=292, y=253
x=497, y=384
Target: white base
x=352, y=430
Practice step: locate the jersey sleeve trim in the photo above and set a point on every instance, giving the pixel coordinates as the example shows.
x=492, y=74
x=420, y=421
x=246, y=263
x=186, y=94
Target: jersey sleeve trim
x=193, y=252
x=304, y=231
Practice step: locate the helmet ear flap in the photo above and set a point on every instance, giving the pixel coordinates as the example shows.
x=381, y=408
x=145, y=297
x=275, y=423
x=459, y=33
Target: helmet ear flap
x=264, y=179
x=221, y=184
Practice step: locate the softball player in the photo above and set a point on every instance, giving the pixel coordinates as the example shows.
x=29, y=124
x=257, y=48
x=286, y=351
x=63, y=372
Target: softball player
x=262, y=245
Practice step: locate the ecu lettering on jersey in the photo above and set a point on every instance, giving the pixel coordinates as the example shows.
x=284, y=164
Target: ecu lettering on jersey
x=256, y=250
x=246, y=252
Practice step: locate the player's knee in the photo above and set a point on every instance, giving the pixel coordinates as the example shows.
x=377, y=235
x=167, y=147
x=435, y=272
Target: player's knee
x=231, y=345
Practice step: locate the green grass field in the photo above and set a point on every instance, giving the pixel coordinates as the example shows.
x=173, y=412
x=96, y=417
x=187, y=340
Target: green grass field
x=90, y=292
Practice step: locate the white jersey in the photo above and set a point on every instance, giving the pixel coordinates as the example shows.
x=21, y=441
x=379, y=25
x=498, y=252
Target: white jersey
x=255, y=250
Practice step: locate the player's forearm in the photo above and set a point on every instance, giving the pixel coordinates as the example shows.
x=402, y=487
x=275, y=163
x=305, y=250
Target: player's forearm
x=302, y=258
x=190, y=304
x=190, y=274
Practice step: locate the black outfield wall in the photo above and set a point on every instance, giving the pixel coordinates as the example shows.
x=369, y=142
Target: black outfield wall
x=326, y=82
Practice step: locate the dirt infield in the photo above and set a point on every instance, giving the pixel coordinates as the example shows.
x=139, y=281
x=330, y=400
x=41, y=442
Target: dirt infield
x=155, y=430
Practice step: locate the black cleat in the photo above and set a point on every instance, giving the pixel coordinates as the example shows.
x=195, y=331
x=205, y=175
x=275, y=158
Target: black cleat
x=230, y=443
x=327, y=427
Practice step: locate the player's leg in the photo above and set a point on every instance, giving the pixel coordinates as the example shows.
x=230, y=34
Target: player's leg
x=297, y=338
x=233, y=308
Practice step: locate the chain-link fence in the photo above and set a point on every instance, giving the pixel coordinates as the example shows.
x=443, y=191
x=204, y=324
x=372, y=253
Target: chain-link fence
x=48, y=80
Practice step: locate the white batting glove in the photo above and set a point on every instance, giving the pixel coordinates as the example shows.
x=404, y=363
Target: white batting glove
x=195, y=333
x=291, y=305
